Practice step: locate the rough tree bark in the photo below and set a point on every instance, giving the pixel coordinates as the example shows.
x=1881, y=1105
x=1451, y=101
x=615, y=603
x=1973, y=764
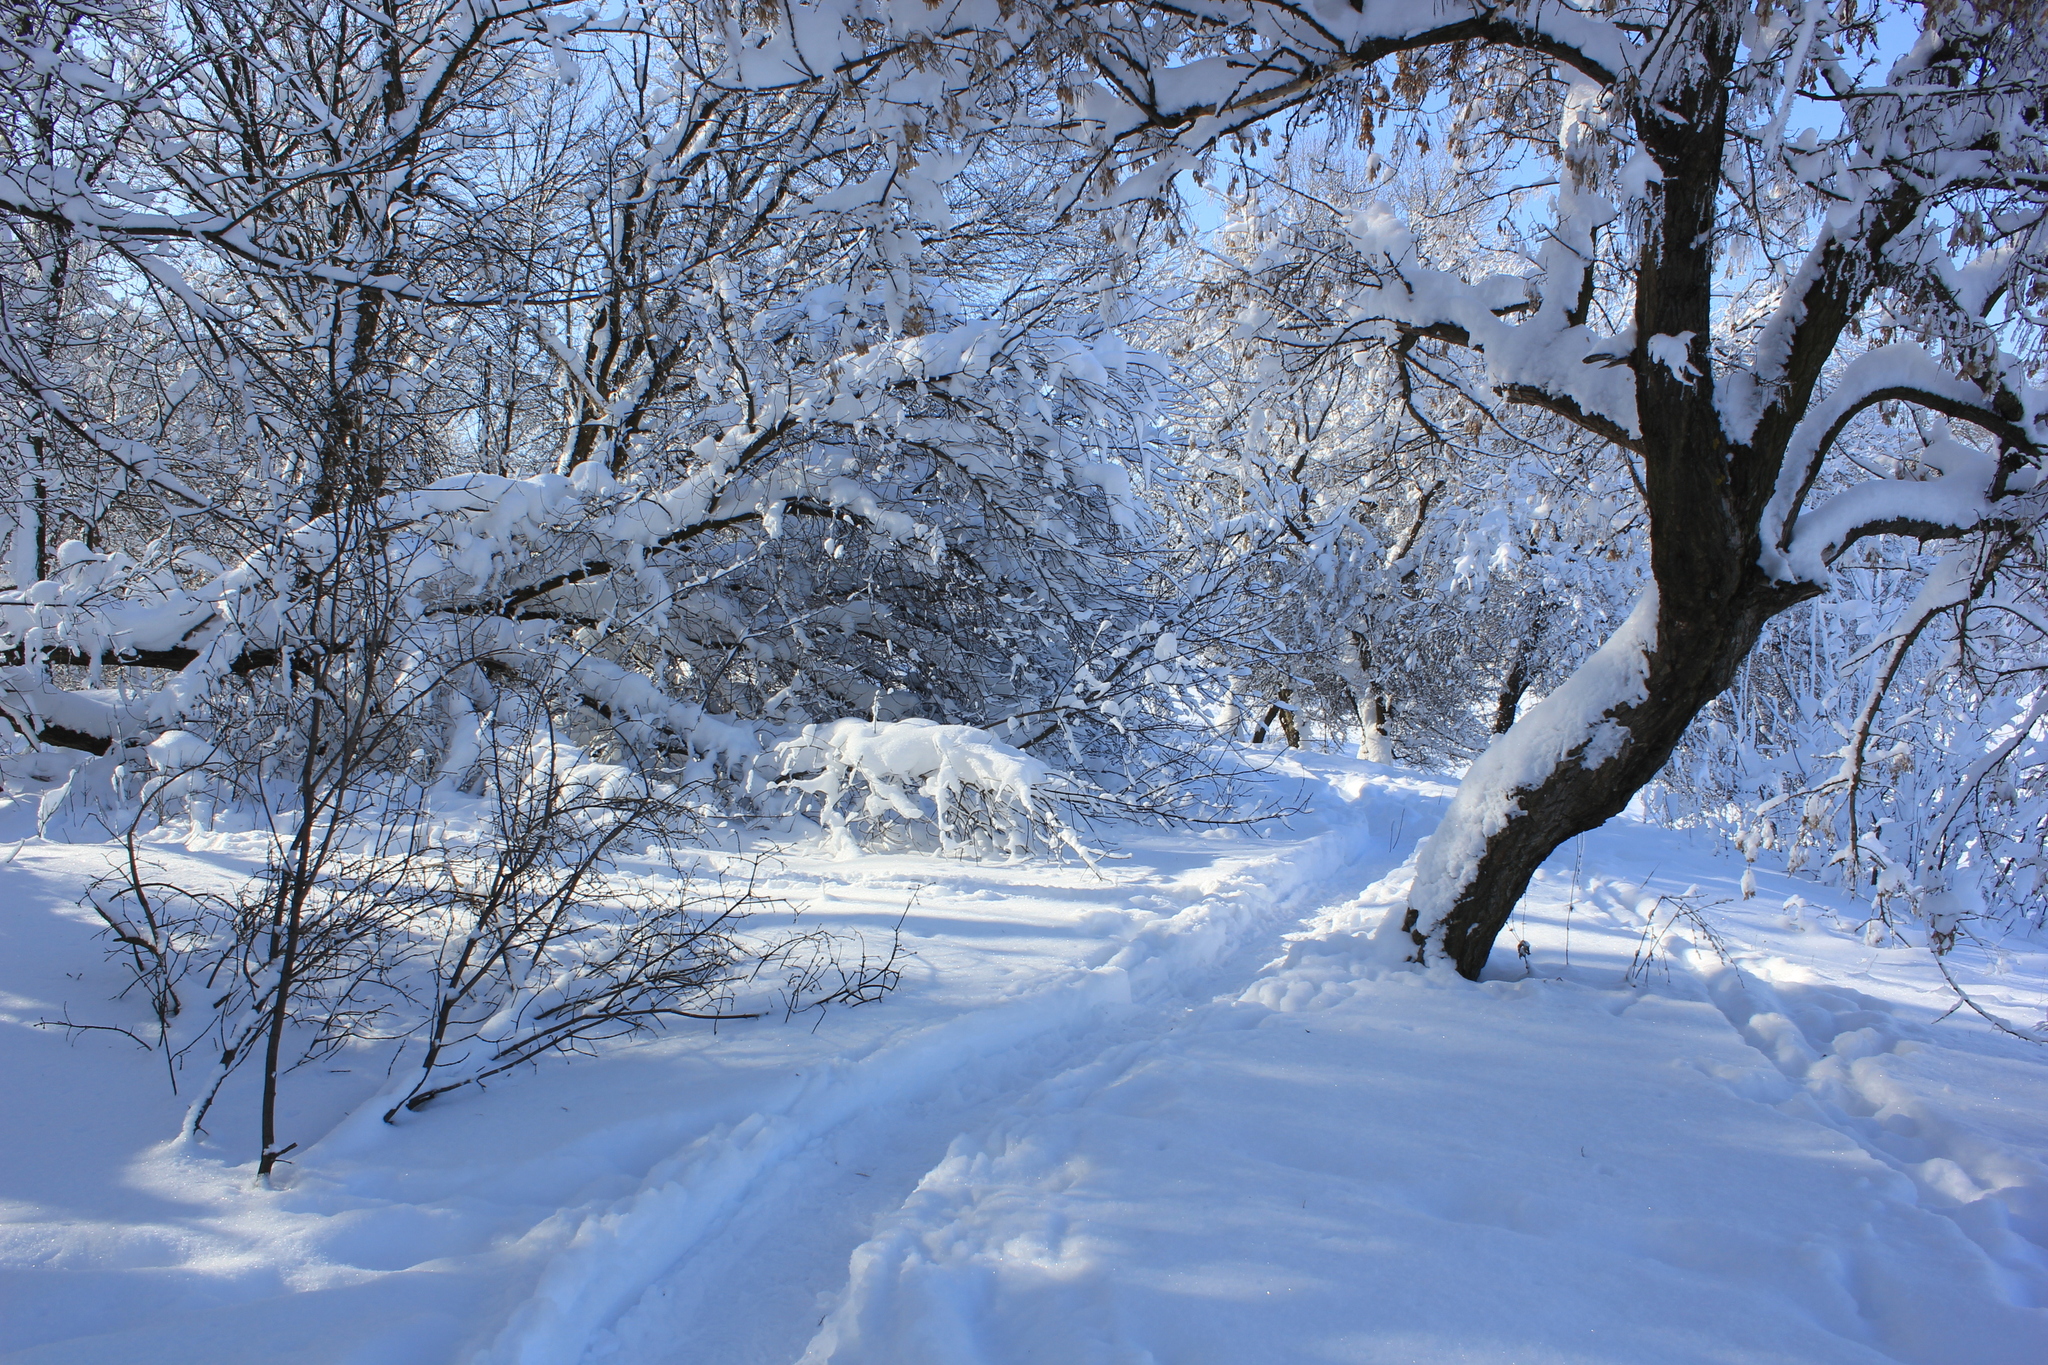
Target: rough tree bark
x=1576, y=760
x=1711, y=598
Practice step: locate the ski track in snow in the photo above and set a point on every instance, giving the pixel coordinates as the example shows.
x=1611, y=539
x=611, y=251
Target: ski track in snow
x=1040, y=1238
x=1235, y=1129
x=942, y=1079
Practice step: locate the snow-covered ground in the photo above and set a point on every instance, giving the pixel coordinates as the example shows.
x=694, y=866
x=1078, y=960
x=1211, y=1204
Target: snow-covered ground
x=1180, y=1111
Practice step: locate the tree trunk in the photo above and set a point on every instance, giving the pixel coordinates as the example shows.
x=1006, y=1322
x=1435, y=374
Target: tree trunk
x=1281, y=710
x=1369, y=699
x=1512, y=689
x=286, y=926
x=1574, y=761
x=1373, y=744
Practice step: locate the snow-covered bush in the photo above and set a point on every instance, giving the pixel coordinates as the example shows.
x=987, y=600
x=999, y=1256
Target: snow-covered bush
x=460, y=936
x=918, y=784
x=1894, y=741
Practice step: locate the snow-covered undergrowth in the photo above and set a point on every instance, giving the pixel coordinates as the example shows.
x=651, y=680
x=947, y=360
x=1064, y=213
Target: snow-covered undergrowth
x=915, y=783
x=1177, y=1108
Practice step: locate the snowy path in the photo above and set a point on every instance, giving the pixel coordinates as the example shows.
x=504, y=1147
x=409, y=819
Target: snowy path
x=1189, y=1206
x=1747, y=1157
x=798, y=1188
x=1182, y=1113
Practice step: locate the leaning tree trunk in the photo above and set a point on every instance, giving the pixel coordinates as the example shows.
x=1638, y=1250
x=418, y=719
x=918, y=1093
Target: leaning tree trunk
x=1574, y=761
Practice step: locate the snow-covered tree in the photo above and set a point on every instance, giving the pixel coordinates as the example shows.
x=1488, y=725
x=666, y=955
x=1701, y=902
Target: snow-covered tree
x=1763, y=221
x=721, y=373
x=1409, y=566
x=712, y=397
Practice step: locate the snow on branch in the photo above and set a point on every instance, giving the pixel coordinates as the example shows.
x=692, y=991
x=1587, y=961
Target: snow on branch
x=1799, y=549
x=1549, y=359
x=1299, y=48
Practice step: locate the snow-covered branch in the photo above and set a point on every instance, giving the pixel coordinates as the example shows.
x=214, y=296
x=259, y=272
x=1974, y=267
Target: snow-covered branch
x=1960, y=499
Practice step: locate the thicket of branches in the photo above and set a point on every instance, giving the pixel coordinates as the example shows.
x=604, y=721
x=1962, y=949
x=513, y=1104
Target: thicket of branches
x=858, y=413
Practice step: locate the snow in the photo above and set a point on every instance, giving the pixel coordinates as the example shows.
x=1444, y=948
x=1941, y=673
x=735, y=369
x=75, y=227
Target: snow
x=1959, y=497
x=1546, y=352
x=1799, y=548
x=1674, y=353
x=896, y=762
x=1180, y=1109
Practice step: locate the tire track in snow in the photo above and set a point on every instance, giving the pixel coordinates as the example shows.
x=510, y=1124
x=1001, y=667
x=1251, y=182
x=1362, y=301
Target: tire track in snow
x=716, y=1190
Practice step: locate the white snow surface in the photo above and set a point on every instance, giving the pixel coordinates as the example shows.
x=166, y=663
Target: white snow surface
x=1177, y=1110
